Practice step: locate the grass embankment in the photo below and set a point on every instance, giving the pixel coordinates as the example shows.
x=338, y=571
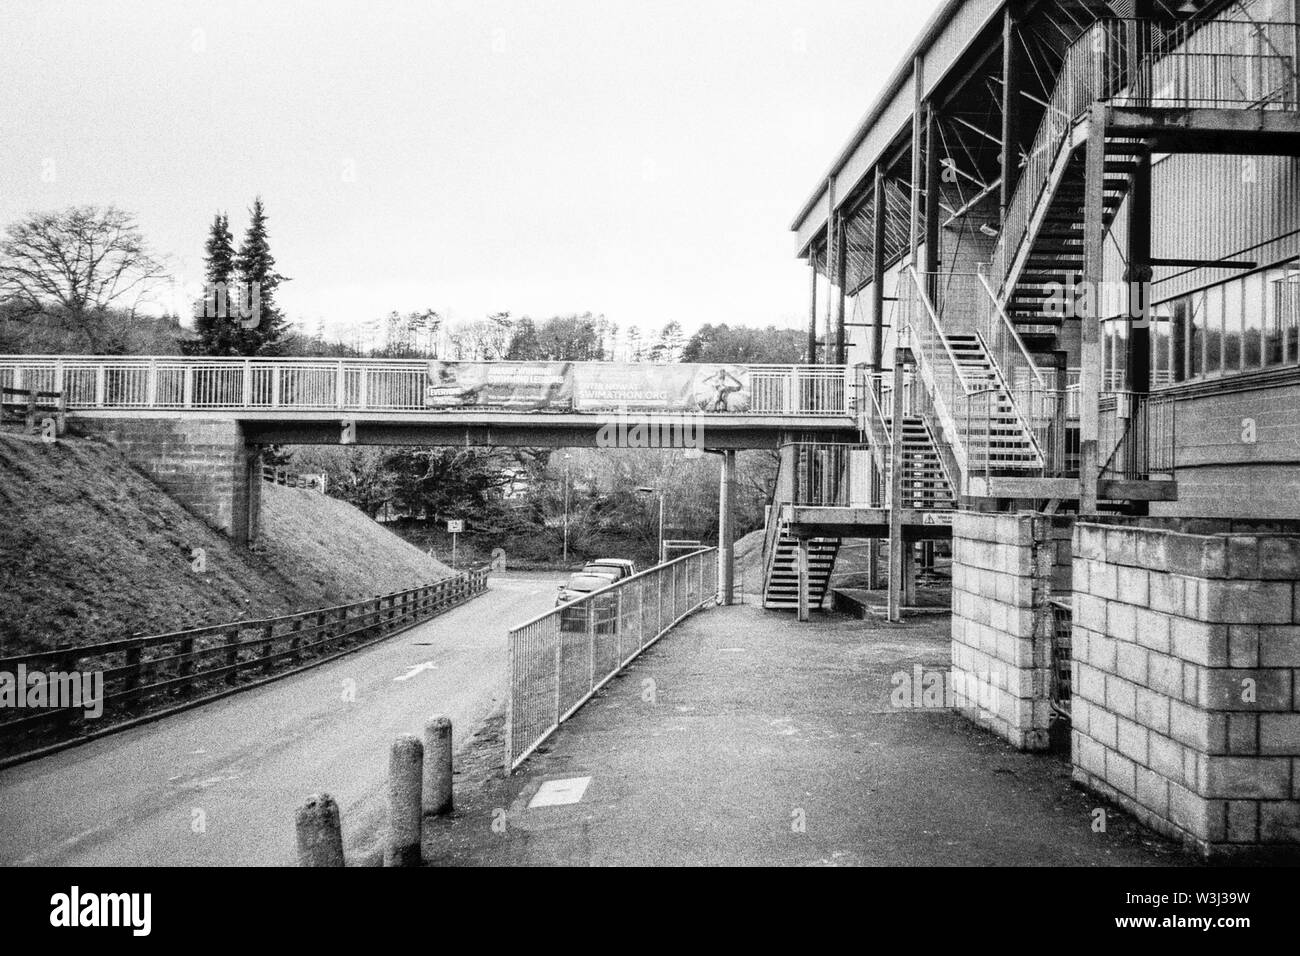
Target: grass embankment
x=92, y=550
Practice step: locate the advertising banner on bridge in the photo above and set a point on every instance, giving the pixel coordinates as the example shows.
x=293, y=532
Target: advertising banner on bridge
x=527, y=386
x=677, y=388
x=588, y=386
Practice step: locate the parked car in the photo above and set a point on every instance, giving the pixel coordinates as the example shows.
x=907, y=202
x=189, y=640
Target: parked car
x=622, y=567
x=603, y=608
x=583, y=583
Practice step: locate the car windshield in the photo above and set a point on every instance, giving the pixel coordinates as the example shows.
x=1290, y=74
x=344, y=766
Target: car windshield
x=589, y=582
x=600, y=567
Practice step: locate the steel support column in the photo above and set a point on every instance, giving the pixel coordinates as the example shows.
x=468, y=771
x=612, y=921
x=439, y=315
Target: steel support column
x=897, y=552
x=841, y=271
x=930, y=261
x=1088, y=311
x=1138, y=361
x=832, y=257
x=880, y=210
x=1011, y=111
x=915, y=184
x=811, y=358
x=801, y=562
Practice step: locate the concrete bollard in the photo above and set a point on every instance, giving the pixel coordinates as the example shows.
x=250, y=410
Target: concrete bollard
x=320, y=837
x=437, y=766
x=405, y=775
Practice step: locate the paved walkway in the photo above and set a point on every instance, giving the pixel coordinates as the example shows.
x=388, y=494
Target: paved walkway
x=743, y=738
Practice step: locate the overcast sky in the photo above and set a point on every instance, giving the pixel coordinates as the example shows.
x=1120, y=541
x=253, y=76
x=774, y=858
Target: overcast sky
x=641, y=160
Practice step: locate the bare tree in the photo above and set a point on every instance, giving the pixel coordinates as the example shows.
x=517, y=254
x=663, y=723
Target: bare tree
x=481, y=340
x=76, y=267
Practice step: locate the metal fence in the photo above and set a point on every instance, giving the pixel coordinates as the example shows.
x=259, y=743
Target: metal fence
x=156, y=673
x=179, y=383
x=560, y=659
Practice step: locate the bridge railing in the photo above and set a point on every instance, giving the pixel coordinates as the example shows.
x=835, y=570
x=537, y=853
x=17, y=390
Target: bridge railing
x=320, y=384
x=148, y=675
x=560, y=659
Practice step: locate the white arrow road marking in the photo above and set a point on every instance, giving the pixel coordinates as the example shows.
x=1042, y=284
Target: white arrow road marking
x=416, y=669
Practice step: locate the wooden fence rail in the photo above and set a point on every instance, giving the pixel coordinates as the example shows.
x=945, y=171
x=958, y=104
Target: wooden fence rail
x=29, y=406
x=153, y=674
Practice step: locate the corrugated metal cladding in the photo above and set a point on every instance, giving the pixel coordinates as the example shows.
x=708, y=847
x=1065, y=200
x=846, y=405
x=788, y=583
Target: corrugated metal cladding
x=1221, y=207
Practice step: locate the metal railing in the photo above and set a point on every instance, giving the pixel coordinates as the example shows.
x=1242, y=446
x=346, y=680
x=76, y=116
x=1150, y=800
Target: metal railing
x=162, y=672
x=1013, y=416
x=561, y=658
x=943, y=387
x=1003, y=342
x=1137, y=436
x=880, y=436
x=833, y=474
x=308, y=384
x=1234, y=64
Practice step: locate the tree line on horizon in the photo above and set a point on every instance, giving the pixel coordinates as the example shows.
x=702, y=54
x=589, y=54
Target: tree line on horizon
x=80, y=280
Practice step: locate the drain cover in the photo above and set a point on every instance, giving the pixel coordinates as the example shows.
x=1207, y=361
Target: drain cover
x=557, y=793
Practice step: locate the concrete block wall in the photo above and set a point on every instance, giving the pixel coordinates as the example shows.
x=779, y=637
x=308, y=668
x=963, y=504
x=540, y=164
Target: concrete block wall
x=1005, y=568
x=1231, y=435
x=1186, y=706
x=202, y=463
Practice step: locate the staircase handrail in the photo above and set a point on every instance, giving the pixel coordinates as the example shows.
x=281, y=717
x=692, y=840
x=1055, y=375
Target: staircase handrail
x=1006, y=389
x=927, y=308
x=882, y=437
x=1009, y=329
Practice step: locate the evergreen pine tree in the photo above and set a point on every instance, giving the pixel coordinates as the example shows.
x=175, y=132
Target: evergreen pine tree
x=261, y=323
x=214, y=320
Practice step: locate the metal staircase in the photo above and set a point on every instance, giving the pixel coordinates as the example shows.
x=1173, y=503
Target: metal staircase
x=781, y=576
x=1048, y=261
x=1000, y=440
x=966, y=397
x=927, y=481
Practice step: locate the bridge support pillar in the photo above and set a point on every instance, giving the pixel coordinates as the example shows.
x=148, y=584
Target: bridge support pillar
x=246, y=509
x=207, y=465
x=727, y=529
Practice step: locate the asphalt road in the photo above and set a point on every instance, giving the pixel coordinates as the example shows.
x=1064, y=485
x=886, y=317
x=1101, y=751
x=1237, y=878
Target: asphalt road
x=218, y=785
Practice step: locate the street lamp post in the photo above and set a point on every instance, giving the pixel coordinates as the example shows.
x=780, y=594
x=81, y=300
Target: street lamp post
x=565, y=559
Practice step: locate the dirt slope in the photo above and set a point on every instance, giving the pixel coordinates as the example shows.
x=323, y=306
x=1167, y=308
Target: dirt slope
x=91, y=550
